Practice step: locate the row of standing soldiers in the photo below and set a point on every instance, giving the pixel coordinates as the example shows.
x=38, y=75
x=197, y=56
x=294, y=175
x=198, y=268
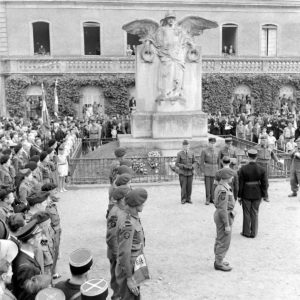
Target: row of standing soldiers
x=224, y=186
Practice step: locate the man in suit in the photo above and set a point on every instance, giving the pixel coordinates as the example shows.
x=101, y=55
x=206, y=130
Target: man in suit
x=185, y=162
x=25, y=266
x=253, y=186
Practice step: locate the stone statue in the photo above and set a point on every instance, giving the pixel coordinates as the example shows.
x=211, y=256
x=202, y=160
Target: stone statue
x=172, y=42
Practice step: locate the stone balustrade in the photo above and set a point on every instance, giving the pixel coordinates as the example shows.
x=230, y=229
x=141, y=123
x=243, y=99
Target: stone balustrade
x=101, y=65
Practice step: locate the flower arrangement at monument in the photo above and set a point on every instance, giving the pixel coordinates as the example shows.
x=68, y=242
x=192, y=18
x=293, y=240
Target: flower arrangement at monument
x=138, y=166
x=154, y=160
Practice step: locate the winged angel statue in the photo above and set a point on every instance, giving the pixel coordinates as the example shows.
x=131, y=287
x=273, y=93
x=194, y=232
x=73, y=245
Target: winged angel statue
x=173, y=43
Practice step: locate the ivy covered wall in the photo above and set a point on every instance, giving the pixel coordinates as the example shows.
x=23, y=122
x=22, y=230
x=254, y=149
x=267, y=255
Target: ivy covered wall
x=217, y=91
x=115, y=89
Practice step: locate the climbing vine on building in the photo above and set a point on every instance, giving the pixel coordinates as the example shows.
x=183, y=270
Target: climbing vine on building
x=114, y=87
x=218, y=90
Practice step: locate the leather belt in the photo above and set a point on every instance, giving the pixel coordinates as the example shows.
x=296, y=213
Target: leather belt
x=252, y=182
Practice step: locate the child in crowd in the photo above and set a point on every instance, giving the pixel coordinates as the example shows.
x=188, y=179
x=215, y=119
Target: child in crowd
x=280, y=143
x=62, y=168
x=271, y=140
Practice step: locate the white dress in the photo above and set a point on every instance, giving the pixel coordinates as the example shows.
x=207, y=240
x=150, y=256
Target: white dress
x=62, y=165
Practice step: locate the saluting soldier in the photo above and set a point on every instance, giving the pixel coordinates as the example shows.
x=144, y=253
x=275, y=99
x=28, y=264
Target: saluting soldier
x=223, y=217
x=185, y=162
x=227, y=150
x=253, y=186
x=209, y=165
x=131, y=242
x=295, y=170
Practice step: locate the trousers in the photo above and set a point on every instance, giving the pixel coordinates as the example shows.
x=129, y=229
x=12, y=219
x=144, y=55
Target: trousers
x=124, y=292
x=113, y=280
x=209, y=188
x=250, y=217
x=223, y=239
x=186, y=183
x=294, y=180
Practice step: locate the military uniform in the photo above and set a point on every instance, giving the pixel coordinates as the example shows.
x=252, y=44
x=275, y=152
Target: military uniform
x=131, y=242
x=116, y=216
x=223, y=217
x=227, y=150
x=253, y=185
x=295, y=172
x=185, y=162
x=264, y=156
x=209, y=165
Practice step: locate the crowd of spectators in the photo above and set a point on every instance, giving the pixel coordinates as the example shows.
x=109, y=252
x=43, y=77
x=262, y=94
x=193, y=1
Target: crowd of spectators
x=281, y=131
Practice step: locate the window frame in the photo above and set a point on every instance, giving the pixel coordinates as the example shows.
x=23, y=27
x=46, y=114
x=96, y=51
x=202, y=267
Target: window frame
x=31, y=39
x=234, y=24
x=82, y=37
x=261, y=35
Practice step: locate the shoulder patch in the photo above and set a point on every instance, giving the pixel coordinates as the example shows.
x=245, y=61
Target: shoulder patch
x=126, y=235
x=222, y=195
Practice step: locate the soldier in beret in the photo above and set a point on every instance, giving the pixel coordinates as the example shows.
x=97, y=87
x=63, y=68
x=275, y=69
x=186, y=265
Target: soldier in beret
x=52, y=210
x=209, y=166
x=116, y=216
x=185, y=161
x=7, y=198
x=96, y=289
x=253, y=186
x=131, y=242
x=119, y=154
x=25, y=265
x=80, y=262
x=223, y=217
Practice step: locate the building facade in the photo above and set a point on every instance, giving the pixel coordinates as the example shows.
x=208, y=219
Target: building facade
x=40, y=37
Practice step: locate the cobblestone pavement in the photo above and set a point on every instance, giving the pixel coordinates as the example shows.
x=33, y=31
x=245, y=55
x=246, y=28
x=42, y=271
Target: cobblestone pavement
x=180, y=239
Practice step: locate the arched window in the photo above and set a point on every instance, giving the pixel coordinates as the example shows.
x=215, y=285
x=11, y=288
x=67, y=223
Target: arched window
x=133, y=40
x=41, y=38
x=91, y=32
x=229, y=39
x=269, y=40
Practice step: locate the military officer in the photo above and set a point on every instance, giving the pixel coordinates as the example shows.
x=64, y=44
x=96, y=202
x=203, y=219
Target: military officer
x=227, y=150
x=223, y=217
x=253, y=185
x=185, y=161
x=80, y=263
x=264, y=156
x=25, y=265
x=131, y=242
x=116, y=215
x=295, y=170
x=209, y=165
x=234, y=184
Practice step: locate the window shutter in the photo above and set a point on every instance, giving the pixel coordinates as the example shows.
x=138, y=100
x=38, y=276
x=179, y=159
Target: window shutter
x=272, y=47
x=264, y=40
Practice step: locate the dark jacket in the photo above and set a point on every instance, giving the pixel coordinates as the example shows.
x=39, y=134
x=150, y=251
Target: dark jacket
x=24, y=268
x=253, y=182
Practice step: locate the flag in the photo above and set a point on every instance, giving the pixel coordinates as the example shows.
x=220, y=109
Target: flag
x=55, y=99
x=45, y=115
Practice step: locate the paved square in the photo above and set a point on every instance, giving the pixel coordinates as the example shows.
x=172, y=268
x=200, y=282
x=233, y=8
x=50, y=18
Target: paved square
x=180, y=240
